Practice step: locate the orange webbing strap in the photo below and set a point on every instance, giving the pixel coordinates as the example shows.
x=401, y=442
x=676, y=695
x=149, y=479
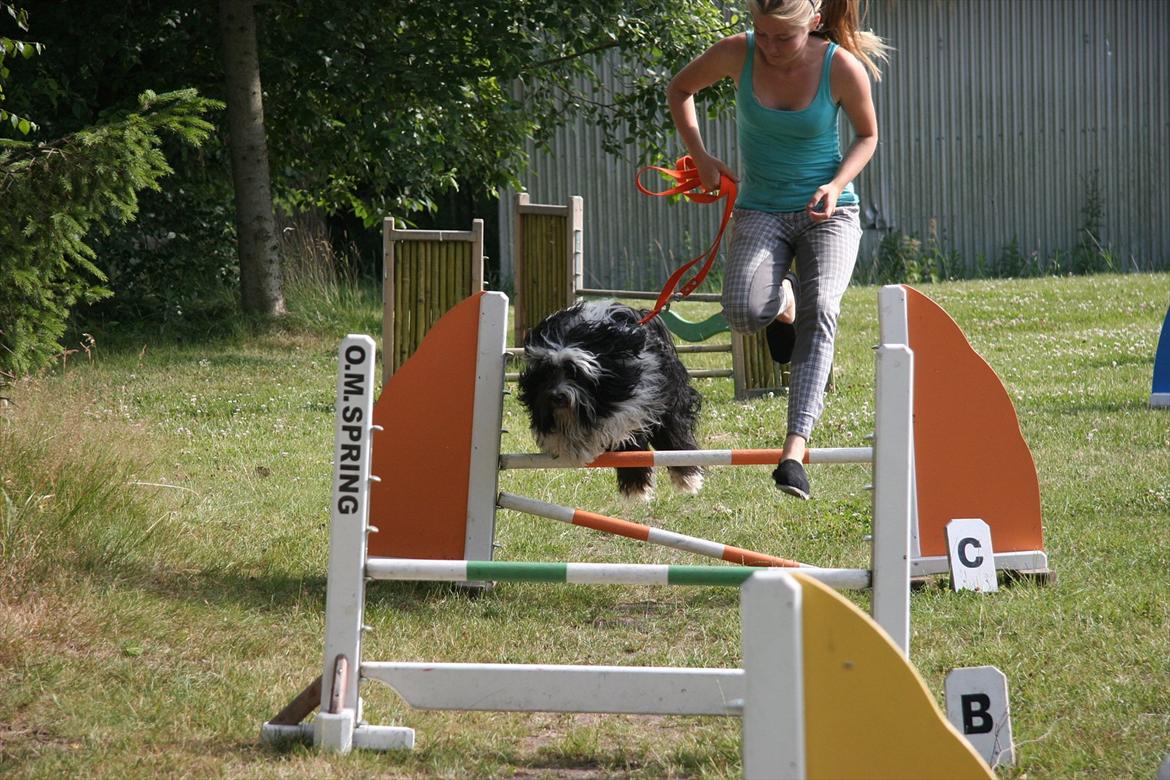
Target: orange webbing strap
x=688, y=185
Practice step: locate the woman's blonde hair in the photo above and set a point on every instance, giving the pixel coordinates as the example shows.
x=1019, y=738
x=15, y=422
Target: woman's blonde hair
x=840, y=23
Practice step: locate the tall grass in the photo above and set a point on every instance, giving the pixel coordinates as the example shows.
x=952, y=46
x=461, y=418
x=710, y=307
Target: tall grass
x=73, y=495
x=322, y=286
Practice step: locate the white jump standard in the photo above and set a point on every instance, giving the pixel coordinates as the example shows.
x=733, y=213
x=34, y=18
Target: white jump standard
x=816, y=671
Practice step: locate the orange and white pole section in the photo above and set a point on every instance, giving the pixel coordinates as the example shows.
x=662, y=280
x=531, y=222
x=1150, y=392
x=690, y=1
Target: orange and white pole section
x=664, y=458
x=642, y=533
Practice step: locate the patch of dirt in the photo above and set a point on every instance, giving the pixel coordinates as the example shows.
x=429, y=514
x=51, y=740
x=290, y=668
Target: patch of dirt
x=18, y=741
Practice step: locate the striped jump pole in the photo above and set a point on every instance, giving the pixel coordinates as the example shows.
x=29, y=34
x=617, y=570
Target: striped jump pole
x=664, y=458
x=418, y=569
x=642, y=533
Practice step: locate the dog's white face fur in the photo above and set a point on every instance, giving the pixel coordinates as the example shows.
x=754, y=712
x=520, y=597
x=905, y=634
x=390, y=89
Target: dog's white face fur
x=577, y=443
x=597, y=380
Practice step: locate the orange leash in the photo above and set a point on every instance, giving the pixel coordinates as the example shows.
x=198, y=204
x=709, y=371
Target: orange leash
x=686, y=176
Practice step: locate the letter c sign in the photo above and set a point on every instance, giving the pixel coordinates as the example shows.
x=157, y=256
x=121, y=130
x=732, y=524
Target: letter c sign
x=971, y=559
x=965, y=546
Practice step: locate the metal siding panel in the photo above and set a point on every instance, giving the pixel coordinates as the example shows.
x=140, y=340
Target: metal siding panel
x=992, y=116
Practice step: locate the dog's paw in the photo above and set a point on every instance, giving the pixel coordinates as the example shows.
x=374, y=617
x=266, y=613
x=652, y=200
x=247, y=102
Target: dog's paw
x=637, y=492
x=689, y=482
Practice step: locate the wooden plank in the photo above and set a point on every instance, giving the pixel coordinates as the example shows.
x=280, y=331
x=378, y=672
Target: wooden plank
x=389, y=298
x=575, y=235
x=431, y=235
x=476, y=261
x=299, y=708
x=420, y=295
x=541, y=209
x=520, y=269
x=643, y=295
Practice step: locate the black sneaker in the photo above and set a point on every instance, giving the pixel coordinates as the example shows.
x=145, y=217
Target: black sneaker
x=781, y=336
x=790, y=478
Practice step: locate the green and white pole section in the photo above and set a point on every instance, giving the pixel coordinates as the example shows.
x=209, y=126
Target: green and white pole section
x=417, y=569
x=665, y=458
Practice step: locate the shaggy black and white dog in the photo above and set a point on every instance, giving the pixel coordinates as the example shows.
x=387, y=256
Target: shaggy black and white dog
x=596, y=380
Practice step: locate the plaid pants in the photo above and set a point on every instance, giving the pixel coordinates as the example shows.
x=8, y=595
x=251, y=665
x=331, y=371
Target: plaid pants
x=763, y=245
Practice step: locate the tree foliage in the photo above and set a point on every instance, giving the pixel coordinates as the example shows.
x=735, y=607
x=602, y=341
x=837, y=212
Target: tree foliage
x=53, y=196
x=373, y=108
x=377, y=107
x=14, y=48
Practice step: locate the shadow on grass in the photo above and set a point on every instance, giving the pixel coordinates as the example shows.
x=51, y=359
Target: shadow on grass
x=360, y=311
x=279, y=593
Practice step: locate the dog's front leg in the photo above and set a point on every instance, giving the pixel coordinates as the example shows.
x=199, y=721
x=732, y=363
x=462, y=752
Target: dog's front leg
x=636, y=483
x=677, y=432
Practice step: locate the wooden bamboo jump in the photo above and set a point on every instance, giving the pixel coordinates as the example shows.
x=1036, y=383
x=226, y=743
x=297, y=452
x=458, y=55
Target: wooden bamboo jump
x=425, y=274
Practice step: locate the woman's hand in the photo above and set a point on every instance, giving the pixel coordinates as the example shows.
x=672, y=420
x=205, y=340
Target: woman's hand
x=711, y=171
x=823, y=202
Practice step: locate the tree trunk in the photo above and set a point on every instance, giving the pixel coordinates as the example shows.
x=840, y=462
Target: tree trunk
x=261, y=284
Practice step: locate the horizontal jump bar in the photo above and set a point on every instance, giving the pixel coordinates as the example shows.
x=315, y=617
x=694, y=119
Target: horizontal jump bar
x=643, y=533
x=693, y=373
x=653, y=458
x=682, y=349
x=641, y=295
x=646, y=690
x=419, y=569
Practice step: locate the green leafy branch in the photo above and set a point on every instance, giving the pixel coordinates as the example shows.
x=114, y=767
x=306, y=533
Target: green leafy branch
x=55, y=196
x=12, y=47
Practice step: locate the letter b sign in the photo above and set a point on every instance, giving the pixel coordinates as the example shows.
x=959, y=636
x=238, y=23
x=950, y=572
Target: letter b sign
x=977, y=705
x=976, y=711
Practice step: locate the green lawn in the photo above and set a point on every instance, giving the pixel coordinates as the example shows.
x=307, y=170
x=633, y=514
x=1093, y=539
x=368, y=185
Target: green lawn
x=163, y=540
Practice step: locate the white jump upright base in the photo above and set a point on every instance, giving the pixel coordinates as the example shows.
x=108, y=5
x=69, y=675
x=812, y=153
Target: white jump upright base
x=970, y=457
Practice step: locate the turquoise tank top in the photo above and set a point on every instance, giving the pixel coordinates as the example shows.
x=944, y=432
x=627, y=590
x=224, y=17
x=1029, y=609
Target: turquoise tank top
x=786, y=154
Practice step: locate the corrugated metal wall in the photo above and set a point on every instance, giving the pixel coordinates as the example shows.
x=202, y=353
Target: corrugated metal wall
x=995, y=118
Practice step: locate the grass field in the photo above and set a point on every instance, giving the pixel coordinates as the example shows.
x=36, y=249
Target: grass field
x=163, y=540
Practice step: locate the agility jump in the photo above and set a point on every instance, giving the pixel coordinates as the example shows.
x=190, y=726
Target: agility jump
x=816, y=671
x=960, y=407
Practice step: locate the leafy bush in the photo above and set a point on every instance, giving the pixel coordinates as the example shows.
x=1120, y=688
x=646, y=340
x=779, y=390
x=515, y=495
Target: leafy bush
x=52, y=196
x=906, y=258
x=1089, y=256
x=1011, y=262
x=175, y=265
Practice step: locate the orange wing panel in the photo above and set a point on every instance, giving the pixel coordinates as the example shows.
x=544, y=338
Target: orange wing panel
x=423, y=455
x=971, y=459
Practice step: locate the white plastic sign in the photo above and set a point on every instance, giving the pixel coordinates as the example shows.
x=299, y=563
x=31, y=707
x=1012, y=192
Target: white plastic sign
x=970, y=555
x=977, y=705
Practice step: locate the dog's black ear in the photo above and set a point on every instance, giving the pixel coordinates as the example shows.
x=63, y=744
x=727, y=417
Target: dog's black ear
x=624, y=315
x=533, y=376
x=658, y=327
x=616, y=335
